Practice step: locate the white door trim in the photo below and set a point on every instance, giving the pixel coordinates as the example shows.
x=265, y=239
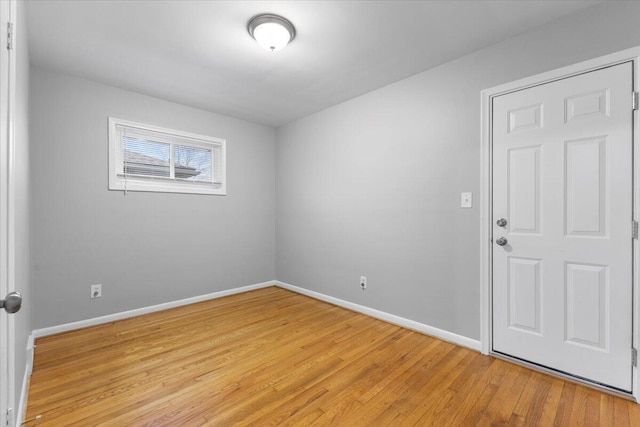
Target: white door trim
x=486, y=216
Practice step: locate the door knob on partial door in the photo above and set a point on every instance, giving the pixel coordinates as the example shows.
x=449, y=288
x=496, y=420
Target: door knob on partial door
x=501, y=222
x=501, y=241
x=11, y=303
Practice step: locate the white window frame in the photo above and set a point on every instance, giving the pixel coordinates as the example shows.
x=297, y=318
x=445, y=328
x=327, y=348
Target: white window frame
x=119, y=182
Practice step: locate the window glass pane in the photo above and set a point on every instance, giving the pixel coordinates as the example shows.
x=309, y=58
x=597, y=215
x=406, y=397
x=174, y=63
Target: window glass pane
x=193, y=163
x=145, y=157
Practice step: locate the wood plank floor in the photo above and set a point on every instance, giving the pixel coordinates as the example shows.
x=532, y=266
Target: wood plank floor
x=273, y=357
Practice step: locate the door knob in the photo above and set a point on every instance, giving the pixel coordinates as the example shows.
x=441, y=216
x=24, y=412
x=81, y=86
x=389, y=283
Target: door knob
x=11, y=303
x=501, y=222
x=501, y=241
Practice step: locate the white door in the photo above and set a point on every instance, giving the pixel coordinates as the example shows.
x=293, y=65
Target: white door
x=4, y=285
x=7, y=92
x=562, y=181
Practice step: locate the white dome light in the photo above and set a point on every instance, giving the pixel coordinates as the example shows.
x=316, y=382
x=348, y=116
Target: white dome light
x=272, y=32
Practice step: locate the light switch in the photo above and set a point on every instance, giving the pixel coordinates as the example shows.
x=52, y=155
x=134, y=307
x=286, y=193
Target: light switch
x=466, y=200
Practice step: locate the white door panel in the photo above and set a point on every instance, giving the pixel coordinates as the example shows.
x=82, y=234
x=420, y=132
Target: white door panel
x=7, y=223
x=562, y=178
x=5, y=369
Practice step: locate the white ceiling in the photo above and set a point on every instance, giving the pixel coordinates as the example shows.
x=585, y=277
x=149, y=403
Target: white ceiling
x=199, y=53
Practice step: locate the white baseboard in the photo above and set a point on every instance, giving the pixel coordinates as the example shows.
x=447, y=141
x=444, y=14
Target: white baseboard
x=387, y=317
x=144, y=310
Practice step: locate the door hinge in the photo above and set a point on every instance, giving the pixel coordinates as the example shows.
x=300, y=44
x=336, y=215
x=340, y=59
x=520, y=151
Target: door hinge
x=635, y=103
x=10, y=35
x=634, y=357
x=634, y=229
x=7, y=417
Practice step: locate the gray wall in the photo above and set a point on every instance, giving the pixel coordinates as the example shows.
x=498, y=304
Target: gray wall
x=369, y=187
x=372, y=186
x=23, y=194
x=144, y=248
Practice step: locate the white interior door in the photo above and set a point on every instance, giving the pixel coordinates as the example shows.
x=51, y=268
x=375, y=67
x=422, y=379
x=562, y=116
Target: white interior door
x=4, y=320
x=7, y=94
x=562, y=181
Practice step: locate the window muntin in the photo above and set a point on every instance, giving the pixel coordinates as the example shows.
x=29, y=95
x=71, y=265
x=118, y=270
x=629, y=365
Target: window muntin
x=149, y=158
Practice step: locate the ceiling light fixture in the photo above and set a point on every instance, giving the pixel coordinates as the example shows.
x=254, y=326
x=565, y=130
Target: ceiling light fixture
x=272, y=32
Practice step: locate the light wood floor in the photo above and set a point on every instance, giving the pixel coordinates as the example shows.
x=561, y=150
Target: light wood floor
x=273, y=357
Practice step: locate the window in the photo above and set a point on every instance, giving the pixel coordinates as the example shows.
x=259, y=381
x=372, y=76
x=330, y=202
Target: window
x=149, y=158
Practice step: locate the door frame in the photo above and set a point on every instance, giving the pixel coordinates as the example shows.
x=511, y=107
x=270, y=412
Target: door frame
x=486, y=189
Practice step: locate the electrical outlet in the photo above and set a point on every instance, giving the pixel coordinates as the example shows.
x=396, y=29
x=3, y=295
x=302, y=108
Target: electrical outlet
x=363, y=282
x=96, y=291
